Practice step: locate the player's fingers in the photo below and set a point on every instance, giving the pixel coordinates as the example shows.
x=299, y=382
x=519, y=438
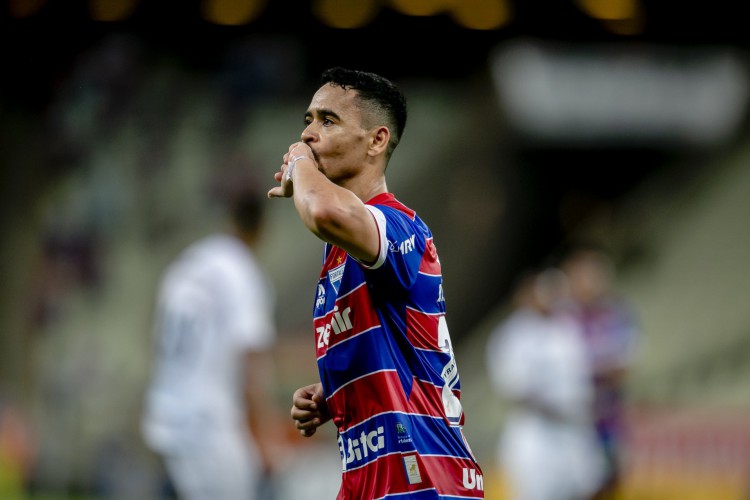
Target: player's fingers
x=301, y=415
x=308, y=423
x=302, y=412
x=302, y=399
x=308, y=427
x=318, y=398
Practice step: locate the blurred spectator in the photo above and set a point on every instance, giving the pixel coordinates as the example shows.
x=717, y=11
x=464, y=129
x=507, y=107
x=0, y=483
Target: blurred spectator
x=209, y=411
x=610, y=330
x=536, y=360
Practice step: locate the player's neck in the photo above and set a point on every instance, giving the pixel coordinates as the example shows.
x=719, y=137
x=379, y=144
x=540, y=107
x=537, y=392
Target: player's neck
x=248, y=238
x=375, y=189
x=366, y=187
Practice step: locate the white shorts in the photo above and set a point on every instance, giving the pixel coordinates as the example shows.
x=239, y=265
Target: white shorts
x=222, y=465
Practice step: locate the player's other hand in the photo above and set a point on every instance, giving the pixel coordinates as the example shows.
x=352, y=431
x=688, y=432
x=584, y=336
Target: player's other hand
x=309, y=409
x=285, y=189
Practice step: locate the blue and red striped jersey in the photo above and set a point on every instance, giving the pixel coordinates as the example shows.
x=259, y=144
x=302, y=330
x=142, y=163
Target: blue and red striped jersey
x=387, y=367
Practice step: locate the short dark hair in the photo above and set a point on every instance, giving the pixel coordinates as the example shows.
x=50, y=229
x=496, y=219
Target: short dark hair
x=236, y=189
x=382, y=94
x=246, y=209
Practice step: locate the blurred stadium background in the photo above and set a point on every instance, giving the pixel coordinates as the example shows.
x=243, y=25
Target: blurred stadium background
x=532, y=124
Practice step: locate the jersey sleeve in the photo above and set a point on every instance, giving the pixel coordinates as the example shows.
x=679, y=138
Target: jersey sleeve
x=402, y=244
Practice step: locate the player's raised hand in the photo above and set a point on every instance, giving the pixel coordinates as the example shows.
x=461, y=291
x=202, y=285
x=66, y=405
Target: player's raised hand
x=285, y=189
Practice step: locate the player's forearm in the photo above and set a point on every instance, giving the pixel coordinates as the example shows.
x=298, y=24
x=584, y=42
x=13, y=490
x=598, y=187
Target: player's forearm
x=334, y=214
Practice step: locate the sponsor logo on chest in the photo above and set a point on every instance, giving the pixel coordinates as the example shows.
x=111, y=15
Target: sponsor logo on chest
x=362, y=447
x=472, y=480
x=340, y=322
x=402, y=247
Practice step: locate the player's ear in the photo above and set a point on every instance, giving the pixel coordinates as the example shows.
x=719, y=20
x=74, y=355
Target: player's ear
x=379, y=138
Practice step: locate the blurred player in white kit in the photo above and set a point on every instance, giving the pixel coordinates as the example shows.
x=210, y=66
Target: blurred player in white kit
x=210, y=390
x=537, y=360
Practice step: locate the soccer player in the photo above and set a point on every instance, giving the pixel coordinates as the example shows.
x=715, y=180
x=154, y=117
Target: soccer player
x=209, y=411
x=611, y=331
x=388, y=375
x=536, y=361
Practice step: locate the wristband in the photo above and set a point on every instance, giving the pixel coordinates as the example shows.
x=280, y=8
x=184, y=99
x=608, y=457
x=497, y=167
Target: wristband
x=290, y=167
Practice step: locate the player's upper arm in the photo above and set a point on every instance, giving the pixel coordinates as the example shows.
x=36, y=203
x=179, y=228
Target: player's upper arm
x=345, y=221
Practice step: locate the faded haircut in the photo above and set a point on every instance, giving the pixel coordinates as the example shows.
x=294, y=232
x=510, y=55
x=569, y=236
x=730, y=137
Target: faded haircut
x=381, y=98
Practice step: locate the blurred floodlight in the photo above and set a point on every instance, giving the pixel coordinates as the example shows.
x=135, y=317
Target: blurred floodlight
x=623, y=17
x=627, y=27
x=232, y=12
x=481, y=14
x=422, y=7
x=470, y=14
x=111, y=10
x=630, y=94
x=610, y=9
x=25, y=8
x=345, y=14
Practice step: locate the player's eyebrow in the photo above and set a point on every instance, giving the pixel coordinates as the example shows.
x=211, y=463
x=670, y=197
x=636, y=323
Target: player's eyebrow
x=322, y=112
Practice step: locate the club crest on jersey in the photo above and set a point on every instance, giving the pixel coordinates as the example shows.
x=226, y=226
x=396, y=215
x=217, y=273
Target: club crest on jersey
x=335, y=275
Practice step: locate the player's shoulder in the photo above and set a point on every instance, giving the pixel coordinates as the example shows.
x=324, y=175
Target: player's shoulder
x=220, y=256
x=221, y=250
x=390, y=203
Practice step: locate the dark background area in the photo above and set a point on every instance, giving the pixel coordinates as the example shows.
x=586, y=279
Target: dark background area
x=568, y=182
x=38, y=49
